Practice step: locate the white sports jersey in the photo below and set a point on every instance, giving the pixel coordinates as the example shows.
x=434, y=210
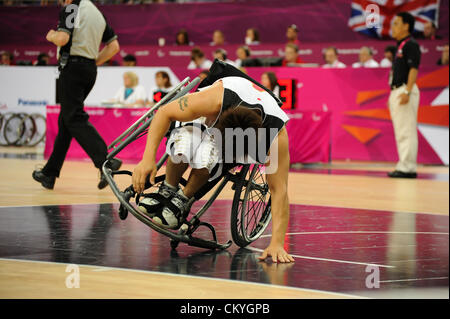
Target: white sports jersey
x=241, y=92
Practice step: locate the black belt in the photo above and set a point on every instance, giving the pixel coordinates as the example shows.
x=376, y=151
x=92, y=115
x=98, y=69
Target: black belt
x=396, y=86
x=77, y=58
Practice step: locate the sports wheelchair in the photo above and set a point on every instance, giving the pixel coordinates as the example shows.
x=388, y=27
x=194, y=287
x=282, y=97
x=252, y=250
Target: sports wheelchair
x=251, y=207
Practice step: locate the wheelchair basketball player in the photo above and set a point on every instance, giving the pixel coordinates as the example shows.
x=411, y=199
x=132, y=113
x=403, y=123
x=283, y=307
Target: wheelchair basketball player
x=230, y=102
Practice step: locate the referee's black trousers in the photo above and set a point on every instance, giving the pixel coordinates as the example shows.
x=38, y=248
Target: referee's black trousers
x=75, y=82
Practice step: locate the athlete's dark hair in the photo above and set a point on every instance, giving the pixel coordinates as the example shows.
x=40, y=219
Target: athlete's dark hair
x=238, y=117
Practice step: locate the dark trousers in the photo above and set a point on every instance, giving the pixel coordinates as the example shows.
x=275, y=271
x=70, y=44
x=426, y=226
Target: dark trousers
x=76, y=81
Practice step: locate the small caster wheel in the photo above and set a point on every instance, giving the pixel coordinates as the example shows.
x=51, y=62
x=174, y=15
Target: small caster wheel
x=123, y=212
x=174, y=244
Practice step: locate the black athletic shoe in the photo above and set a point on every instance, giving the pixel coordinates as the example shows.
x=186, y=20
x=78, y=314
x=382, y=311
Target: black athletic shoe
x=151, y=203
x=399, y=174
x=46, y=181
x=114, y=165
x=176, y=211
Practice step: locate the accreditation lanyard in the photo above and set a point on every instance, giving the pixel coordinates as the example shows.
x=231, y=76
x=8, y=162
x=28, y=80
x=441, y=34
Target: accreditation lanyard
x=399, y=52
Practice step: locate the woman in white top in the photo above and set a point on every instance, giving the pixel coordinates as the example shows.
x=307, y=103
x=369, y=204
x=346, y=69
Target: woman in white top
x=270, y=81
x=131, y=93
x=163, y=86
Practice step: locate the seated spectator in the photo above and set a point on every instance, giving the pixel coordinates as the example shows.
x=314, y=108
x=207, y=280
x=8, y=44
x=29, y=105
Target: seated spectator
x=366, y=59
x=129, y=60
x=7, y=58
x=291, y=57
x=182, y=38
x=331, y=58
x=203, y=75
x=429, y=31
x=292, y=34
x=243, y=52
x=198, y=60
x=163, y=86
x=42, y=60
x=218, y=38
x=444, y=58
x=389, y=54
x=131, y=93
x=252, y=37
x=270, y=81
x=221, y=55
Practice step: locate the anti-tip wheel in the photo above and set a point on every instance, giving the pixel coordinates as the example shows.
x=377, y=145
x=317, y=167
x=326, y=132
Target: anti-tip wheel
x=174, y=244
x=123, y=212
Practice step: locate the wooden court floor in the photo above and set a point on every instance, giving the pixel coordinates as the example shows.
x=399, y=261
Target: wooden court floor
x=393, y=201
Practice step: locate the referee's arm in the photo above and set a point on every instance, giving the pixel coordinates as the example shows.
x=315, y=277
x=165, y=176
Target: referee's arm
x=111, y=47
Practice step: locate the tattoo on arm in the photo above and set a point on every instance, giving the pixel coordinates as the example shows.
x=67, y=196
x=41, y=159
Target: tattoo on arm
x=183, y=102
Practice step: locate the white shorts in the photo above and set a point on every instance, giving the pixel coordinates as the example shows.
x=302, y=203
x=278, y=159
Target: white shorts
x=188, y=144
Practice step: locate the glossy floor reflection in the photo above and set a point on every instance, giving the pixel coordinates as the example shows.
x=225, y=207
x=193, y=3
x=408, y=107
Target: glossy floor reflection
x=336, y=249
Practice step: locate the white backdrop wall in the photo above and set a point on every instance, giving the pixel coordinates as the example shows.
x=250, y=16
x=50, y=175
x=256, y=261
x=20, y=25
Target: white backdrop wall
x=30, y=89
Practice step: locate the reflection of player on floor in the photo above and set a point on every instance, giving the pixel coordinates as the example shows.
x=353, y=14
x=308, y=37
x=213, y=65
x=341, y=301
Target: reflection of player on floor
x=229, y=103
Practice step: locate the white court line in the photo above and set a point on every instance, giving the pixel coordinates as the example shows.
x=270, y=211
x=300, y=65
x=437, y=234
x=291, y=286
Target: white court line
x=360, y=232
x=414, y=279
x=330, y=260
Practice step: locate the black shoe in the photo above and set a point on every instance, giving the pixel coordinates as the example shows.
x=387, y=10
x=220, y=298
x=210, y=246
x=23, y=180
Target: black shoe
x=46, y=181
x=151, y=203
x=114, y=165
x=399, y=174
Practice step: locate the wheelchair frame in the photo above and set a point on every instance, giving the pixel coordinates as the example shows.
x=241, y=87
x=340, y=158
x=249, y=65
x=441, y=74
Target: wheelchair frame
x=187, y=229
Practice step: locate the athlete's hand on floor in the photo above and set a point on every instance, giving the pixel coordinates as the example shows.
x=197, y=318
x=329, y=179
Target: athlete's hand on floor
x=277, y=253
x=140, y=173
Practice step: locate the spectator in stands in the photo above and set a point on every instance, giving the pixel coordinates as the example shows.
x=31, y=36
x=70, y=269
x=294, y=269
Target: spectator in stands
x=182, y=38
x=131, y=93
x=366, y=59
x=221, y=54
x=429, y=31
x=270, y=81
x=331, y=58
x=218, y=38
x=444, y=58
x=198, y=60
x=389, y=54
x=291, y=57
x=292, y=35
x=42, y=60
x=7, y=58
x=129, y=60
x=163, y=86
x=243, y=52
x=252, y=37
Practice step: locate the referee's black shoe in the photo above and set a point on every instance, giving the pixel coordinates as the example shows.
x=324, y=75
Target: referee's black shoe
x=114, y=165
x=400, y=174
x=46, y=181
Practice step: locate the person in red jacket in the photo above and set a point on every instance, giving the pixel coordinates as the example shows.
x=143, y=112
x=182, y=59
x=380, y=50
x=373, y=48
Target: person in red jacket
x=291, y=57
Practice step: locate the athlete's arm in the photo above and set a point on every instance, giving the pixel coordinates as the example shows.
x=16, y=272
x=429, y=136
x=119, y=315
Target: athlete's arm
x=187, y=108
x=278, y=186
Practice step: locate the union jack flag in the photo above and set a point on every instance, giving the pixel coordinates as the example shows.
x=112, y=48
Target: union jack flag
x=380, y=25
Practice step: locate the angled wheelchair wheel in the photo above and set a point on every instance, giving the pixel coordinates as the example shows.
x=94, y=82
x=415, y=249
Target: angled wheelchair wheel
x=14, y=129
x=251, y=209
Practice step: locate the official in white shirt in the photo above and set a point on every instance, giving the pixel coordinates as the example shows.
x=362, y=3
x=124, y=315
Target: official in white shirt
x=331, y=58
x=131, y=93
x=366, y=59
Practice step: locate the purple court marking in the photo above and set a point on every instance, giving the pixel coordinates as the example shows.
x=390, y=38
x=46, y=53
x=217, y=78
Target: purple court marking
x=334, y=246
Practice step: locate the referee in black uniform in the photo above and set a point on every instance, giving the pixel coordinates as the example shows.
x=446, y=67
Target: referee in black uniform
x=81, y=29
x=404, y=97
